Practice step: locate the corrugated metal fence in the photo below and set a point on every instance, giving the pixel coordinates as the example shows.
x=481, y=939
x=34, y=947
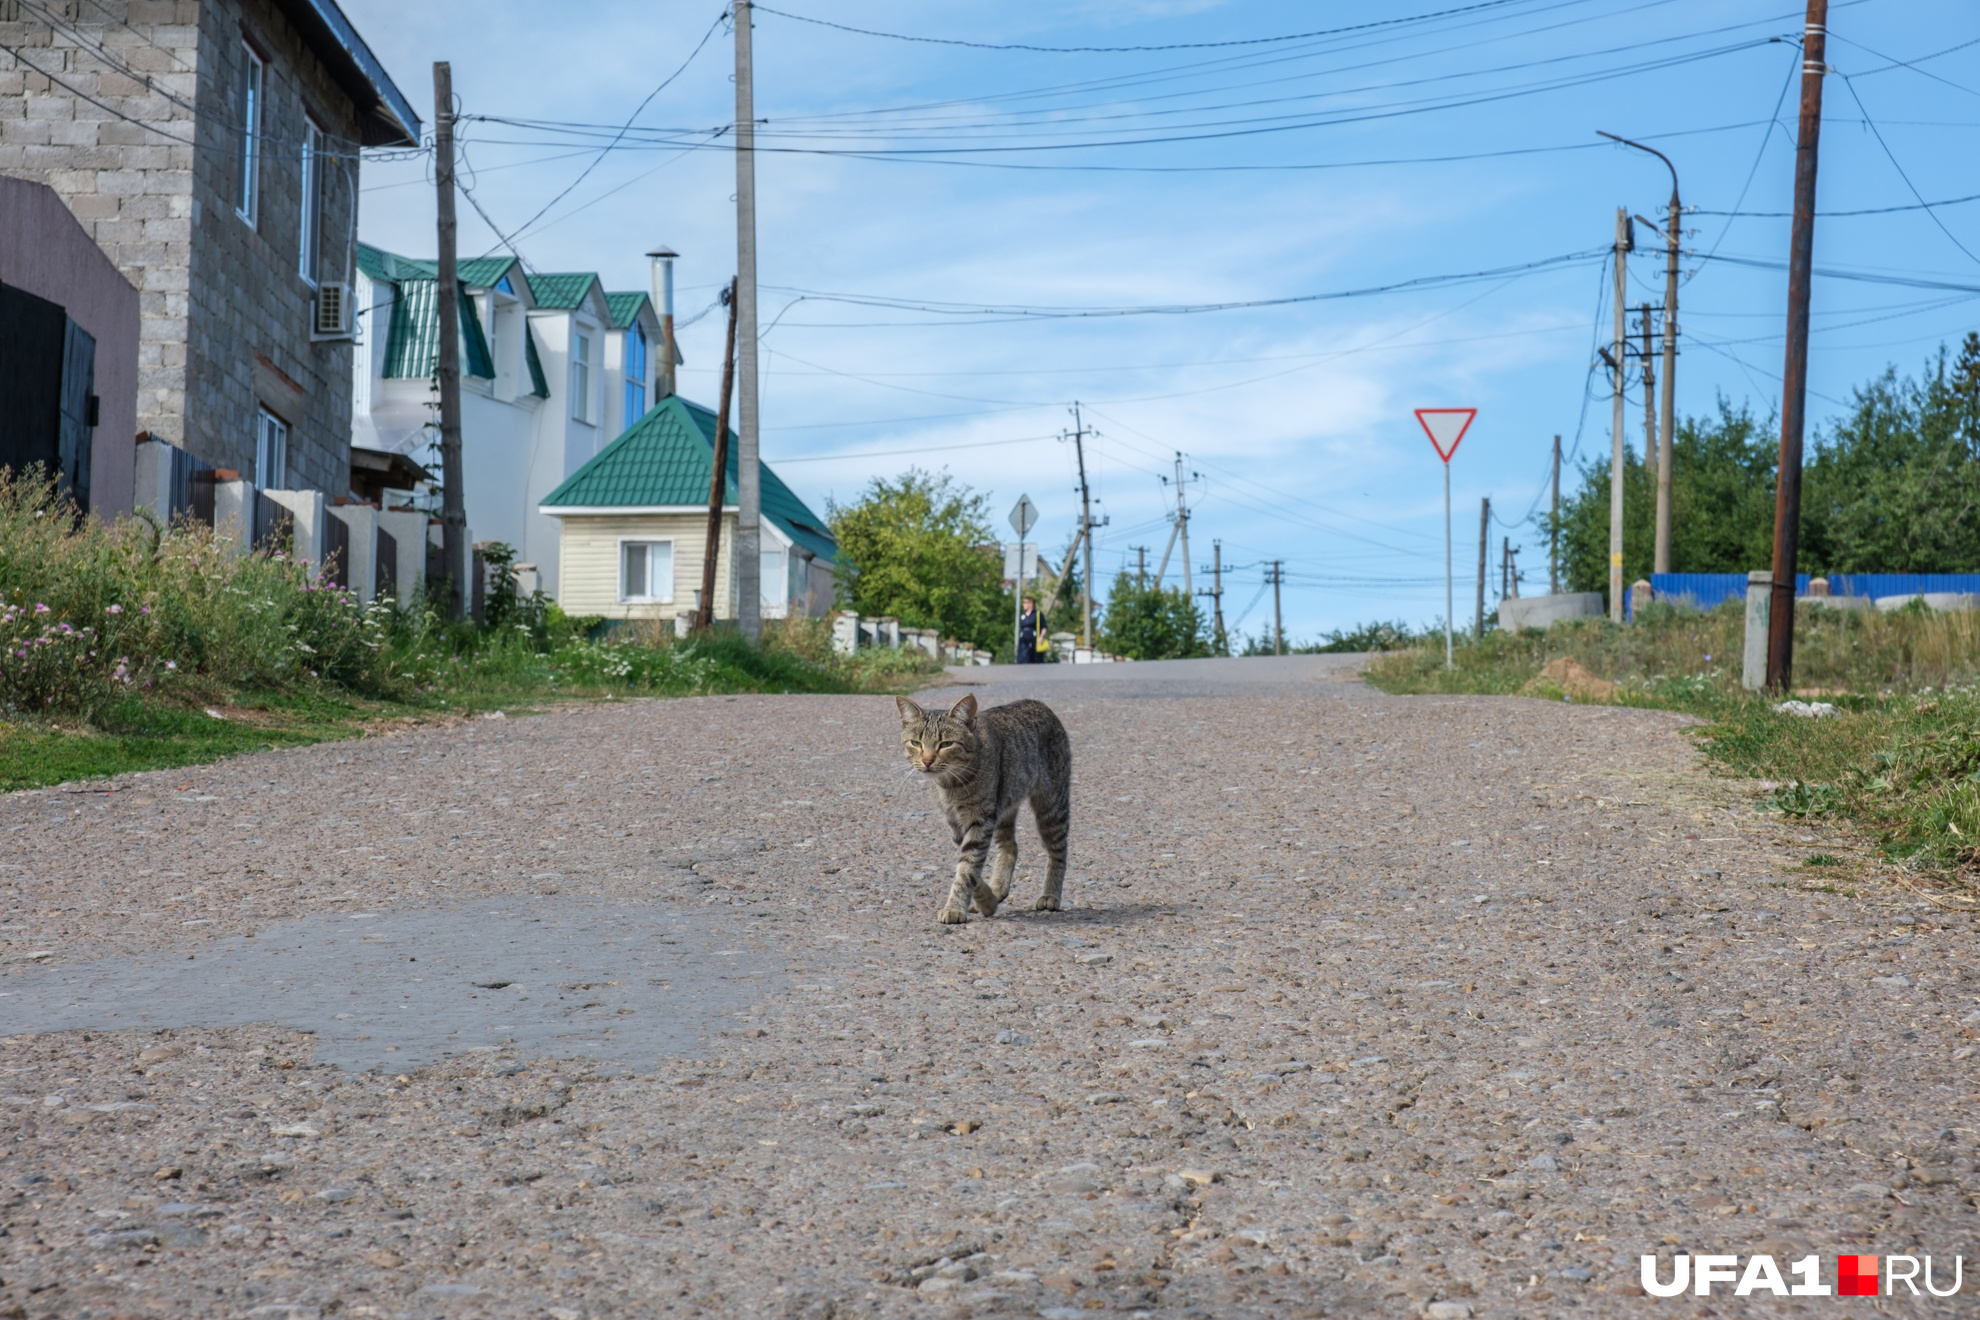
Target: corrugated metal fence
x=1708, y=589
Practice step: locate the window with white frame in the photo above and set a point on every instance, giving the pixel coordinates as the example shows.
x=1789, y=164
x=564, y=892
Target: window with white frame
x=271, y=451
x=249, y=157
x=635, y=374
x=581, y=375
x=646, y=572
x=311, y=228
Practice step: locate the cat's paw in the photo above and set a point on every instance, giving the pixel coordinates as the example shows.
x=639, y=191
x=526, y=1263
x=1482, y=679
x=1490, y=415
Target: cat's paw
x=1046, y=903
x=986, y=902
x=952, y=916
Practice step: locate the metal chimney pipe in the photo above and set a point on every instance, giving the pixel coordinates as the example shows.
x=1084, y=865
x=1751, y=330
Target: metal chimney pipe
x=663, y=294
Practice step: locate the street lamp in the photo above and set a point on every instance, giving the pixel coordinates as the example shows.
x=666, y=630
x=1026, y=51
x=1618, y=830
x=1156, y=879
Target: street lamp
x=1661, y=560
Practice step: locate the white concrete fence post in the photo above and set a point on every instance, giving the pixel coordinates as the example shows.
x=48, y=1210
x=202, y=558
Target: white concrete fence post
x=1759, y=605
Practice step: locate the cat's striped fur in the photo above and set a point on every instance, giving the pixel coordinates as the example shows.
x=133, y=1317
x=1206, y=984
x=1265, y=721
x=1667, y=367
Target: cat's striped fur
x=984, y=767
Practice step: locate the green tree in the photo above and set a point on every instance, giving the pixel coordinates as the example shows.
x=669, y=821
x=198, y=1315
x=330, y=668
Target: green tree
x=1147, y=622
x=1896, y=486
x=920, y=549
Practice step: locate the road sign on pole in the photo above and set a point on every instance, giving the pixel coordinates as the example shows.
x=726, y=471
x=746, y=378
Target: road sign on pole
x=1446, y=427
x=1024, y=516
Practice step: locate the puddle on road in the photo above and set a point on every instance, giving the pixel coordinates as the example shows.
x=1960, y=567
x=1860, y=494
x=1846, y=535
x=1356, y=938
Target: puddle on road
x=402, y=988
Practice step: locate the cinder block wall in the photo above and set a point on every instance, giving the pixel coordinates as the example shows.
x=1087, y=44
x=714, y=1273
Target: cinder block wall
x=152, y=174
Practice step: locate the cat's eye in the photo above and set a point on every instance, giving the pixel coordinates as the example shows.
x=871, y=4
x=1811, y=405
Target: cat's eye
x=947, y=742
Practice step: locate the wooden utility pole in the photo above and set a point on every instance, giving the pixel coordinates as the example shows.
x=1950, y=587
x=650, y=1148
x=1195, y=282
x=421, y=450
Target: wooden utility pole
x=1794, y=396
x=453, y=503
x=1554, y=529
x=718, y=475
x=1141, y=567
x=1484, y=537
x=749, y=473
x=1085, y=532
x=1620, y=345
x=1278, y=627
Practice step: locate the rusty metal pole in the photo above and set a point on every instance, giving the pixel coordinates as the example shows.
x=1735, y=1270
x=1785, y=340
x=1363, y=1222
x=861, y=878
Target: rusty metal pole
x=704, y=615
x=1794, y=395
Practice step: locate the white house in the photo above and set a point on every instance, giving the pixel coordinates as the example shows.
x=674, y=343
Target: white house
x=552, y=368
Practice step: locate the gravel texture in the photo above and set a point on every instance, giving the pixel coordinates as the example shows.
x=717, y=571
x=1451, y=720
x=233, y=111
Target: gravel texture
x=1361, y=1005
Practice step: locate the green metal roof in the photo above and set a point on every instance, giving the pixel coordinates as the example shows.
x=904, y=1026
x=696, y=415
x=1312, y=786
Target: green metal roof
x=625, y=308
x=412, y=346
x=560, y=292
x=663, y=459
x=540, y=387
x=474, y=273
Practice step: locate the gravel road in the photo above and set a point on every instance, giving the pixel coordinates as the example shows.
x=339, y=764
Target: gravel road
x=1362, y=1005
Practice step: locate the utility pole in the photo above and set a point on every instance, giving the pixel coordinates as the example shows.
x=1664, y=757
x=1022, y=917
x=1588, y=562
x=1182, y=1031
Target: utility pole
x=1141, y=567
x=718, y=476
x=1085, y=531
x=1554, y=529
x=1660, y=561
x=1794, y=397
x=1621, y=341
x=1505, y=564
x=1182, y=523
x=749, y=474
x=453, y=504
x=1650, y=453
x=1179, y=529
x=662, y=258
x=1484, y=536
x=1219, y=644
x=1278, y=574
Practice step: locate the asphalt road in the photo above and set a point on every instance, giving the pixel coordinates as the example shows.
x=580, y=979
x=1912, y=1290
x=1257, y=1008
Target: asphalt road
x=1363, y=1005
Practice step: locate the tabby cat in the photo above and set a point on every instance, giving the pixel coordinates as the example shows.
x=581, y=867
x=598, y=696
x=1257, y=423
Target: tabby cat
x=984, y=767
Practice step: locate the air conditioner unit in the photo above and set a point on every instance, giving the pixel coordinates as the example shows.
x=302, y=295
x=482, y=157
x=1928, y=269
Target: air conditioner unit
x=333, y=311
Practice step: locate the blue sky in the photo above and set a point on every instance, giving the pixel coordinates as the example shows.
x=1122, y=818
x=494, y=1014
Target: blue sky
x=1436, y=139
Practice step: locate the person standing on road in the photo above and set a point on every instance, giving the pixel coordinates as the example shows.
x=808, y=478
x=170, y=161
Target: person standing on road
x=1027, y=642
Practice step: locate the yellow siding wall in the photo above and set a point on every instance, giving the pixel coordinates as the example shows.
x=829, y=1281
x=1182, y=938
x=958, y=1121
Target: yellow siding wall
x=588, y=555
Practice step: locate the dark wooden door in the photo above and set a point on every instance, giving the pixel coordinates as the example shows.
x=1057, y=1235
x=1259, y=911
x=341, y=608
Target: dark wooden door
x=387, y=581
x=33, y=334
x=78, y=424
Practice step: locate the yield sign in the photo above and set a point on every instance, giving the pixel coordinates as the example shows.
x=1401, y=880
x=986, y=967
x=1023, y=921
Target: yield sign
x=1445, y=427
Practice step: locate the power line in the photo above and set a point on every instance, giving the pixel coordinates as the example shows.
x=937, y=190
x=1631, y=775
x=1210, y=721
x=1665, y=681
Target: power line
x=1127, y=50
x=624, y=129
x=1892, y=157
x=1019, y=312
x=1828, y=215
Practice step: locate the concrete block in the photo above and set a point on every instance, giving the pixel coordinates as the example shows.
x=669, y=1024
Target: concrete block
x=307, y=512
x=408, y=528
x=233, y=515
x=845, y=632
x=1934, y=600
x=361, y=520
x=1545, y=611
x=1759, y=607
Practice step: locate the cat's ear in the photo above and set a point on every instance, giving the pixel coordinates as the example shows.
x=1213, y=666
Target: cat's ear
x=965, y=710
x=909, y=711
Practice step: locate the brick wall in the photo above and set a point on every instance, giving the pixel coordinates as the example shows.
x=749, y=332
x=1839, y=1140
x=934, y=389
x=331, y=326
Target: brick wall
x=152, y=174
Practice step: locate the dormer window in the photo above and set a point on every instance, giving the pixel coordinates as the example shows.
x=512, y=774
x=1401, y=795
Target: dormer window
x=635, y=374
x=581, y=375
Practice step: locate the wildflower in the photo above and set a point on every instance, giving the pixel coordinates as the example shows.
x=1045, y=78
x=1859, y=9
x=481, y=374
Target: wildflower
x=39, y=608
x=113, y=609
x=171, y=664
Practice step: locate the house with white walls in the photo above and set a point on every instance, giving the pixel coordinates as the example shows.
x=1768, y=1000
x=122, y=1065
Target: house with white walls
x=552, y=368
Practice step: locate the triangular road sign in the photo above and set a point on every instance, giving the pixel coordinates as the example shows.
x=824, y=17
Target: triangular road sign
x=1445, y=427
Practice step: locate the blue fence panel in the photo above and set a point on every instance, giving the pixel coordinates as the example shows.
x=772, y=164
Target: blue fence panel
x=1705, y=590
